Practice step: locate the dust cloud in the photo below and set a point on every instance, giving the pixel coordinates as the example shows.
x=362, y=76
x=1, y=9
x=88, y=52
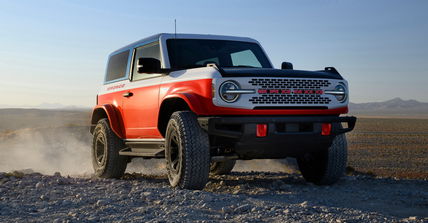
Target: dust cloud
x=67, y=149
x=64, y=149
x=47, y=150
x=288, y=165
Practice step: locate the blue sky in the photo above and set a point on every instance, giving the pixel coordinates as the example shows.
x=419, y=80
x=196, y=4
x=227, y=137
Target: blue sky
x=55, y=51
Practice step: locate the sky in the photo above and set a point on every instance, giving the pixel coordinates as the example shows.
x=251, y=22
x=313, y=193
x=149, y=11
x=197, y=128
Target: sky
x=55, y=51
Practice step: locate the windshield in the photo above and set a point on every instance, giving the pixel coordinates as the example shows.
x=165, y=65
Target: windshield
x=189, y=53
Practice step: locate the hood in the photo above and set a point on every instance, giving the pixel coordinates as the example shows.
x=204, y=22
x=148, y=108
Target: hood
x=328, y=73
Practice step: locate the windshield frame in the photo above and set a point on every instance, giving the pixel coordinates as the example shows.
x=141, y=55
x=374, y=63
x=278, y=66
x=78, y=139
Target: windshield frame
x=260, y=55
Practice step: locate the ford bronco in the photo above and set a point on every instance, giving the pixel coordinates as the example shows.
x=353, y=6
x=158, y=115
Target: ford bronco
x=204, y=101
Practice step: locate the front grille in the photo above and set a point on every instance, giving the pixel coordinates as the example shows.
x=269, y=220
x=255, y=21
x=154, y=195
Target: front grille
x=290, y=98
x=282, y=83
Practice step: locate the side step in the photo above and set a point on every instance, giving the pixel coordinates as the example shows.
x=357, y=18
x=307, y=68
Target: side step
x=147, y=148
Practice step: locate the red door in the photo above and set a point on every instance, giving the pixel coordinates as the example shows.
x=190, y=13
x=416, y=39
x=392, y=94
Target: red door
x=141, y=102
x=141, y=108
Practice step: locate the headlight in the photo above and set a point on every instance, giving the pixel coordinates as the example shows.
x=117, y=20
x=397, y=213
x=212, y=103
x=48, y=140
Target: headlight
x=342, y=95
x=227, y=96
x=339, y=92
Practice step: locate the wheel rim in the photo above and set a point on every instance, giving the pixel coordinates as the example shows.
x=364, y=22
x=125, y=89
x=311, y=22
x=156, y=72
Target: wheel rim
x=100, y=149
x=174, y=158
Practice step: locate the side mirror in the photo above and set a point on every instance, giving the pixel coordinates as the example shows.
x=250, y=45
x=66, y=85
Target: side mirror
x=148, y=65
x=286, y=66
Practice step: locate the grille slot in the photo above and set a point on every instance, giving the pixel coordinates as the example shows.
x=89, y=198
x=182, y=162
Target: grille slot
x=290, y=99
x=290, y=84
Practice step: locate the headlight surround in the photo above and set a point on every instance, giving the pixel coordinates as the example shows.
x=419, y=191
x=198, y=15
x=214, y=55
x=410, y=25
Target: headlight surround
x=341, y=93
x=229, y=97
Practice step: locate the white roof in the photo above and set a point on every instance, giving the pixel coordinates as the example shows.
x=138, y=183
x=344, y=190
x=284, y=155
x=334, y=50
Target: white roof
x=165, y=36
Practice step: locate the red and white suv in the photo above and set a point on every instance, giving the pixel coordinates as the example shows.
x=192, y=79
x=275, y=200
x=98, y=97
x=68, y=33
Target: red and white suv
x=204, y=101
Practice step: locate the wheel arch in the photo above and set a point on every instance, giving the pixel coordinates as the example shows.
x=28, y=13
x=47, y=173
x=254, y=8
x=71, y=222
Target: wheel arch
x=170, y=105
x=112, y=114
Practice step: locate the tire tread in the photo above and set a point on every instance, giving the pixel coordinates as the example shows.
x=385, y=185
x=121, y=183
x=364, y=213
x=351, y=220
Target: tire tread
x=196, y=154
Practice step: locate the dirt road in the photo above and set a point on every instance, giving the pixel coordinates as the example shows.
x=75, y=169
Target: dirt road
x=240, y=197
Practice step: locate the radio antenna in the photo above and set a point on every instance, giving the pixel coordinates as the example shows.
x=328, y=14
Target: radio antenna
x=175, y=28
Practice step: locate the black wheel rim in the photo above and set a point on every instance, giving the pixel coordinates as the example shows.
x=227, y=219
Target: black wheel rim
x=175, y=153
x=100, y=149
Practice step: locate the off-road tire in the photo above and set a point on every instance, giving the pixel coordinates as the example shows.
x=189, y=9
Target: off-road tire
x=105, y=141
x=187, y=152
x=222, y=168
x=326, y=166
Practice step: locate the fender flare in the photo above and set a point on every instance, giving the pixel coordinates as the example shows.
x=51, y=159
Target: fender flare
x=113, y=115
x=194, y=102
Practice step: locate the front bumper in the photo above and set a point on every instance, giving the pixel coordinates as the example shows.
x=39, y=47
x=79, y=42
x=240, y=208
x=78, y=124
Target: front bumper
x=287, y=136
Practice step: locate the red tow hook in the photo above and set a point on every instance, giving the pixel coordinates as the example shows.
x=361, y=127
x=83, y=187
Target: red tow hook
x=326, y=129
x=261, y=130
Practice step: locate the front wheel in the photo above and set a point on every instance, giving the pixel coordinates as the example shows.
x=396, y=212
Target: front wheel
x=187, y=152
x=325, y=166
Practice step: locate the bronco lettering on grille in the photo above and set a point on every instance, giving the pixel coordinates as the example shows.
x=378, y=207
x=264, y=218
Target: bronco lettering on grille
x=289, y=91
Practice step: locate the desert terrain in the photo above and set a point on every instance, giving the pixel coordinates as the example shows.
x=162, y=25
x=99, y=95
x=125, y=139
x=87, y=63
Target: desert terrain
x=46, y=175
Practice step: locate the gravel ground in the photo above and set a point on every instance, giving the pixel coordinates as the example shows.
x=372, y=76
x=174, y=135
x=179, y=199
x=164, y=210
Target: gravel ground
x=239, y=197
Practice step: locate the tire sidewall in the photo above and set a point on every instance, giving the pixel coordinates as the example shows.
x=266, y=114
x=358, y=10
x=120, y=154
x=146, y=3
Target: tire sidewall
x=113, y=165
x=100, y=131
x=190, y=148
x=173, y=128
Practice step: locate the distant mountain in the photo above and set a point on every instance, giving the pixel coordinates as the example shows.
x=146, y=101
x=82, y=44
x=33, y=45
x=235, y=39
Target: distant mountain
x=60, y=106
x=396, y=106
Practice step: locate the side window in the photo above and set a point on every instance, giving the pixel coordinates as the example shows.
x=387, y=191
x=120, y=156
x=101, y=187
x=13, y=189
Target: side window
x=245, y=58
x=116, y=67
x=150, y=50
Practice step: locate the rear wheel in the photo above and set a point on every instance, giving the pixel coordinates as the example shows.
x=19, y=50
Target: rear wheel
x=186, y=152
x=325, y=166
x=222, y=168
x=106, y=160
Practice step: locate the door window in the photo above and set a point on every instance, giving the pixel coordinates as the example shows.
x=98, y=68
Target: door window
x=151, y=50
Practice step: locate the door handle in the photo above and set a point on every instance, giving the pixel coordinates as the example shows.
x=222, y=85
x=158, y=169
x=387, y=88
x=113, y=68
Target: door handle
x=128, y=94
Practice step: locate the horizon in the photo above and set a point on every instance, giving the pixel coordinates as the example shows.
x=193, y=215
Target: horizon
x=56, y=105
x=56, y=51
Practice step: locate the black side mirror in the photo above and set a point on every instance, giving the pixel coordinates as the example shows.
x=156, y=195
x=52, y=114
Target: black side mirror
x=148, y=65
x=286, y=66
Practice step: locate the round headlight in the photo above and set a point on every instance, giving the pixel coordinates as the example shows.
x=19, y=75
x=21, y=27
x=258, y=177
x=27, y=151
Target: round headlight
x=226, y=86
x=341, y=93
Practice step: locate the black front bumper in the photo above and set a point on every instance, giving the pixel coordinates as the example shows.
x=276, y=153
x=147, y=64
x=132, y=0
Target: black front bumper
x=287, y=136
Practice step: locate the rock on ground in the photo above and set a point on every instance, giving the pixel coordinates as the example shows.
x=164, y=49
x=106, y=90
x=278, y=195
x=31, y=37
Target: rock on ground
x=239, y=197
